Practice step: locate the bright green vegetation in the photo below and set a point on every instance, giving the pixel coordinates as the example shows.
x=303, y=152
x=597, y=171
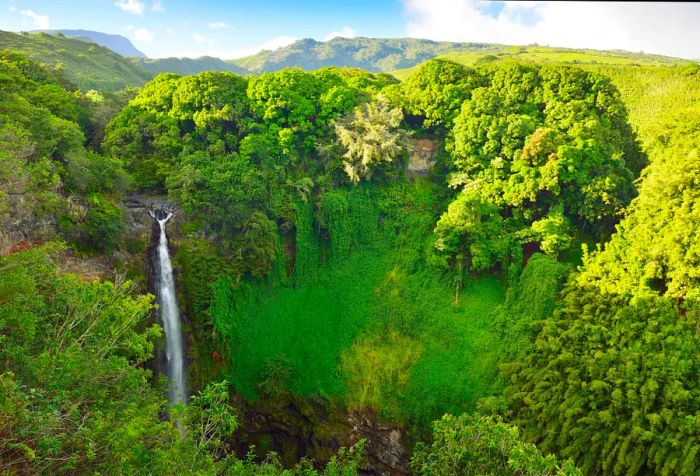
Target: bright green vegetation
x=186, y=66
x=75, y=399
x=378, y=331
x=538, y=152
x=43, y=128
x=547, y=55
x=335, y=276
x=75, y=394
x=544, y=54
x=620, y=351
x=85, y=64
x=655, y=96
x=312, y=264
x=483, y=445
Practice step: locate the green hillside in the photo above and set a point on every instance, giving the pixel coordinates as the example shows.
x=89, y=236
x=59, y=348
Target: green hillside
x=371, y=54
x=545, y=54
x=185, y=66
x=87, y=65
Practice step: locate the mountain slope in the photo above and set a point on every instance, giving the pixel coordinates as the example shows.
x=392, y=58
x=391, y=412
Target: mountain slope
x=117, y=43
x=87, y=65
x=546, y=54
x=371, y=54
x=185, y=66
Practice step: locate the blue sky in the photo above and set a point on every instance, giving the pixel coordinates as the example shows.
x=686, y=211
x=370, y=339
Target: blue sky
x=231, y=29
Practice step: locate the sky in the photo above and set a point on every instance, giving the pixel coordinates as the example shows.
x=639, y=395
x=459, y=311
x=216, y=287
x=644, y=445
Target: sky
x=233, y=28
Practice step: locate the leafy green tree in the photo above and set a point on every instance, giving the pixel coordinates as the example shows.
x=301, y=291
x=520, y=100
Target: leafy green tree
x=372, y=138
x=475, y=444
x=473, y=231
x=79, y=402
x=211, y=420
x=437, y=91
x=537, y=144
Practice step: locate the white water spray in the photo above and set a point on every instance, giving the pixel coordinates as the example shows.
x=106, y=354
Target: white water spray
x=170, y=315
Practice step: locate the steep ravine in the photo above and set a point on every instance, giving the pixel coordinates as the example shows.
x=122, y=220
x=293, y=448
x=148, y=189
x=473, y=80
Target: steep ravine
x=294, y=427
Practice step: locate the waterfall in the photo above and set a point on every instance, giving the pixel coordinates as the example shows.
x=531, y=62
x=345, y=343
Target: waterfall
x=167, y=301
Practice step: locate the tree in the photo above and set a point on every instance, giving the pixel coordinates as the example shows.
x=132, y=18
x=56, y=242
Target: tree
x=437, y=91
x=476, y=444
x=538, y=147
x=371, y=137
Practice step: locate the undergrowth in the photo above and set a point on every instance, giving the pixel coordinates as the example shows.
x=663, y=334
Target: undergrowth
x=369, y=324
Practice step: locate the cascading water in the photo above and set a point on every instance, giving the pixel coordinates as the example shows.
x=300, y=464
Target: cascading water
x=167, y=301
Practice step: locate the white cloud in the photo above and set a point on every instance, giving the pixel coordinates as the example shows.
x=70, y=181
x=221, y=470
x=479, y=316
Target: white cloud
x=158, y=6
x=142, y=35
x=169, y=31
x=202, y=40
x=134, y=7
x=41, y=22
x=13, y=8
x=665, y=28
x=345, y=32
x=218, y=25
x=208, y=47
x=277, y=42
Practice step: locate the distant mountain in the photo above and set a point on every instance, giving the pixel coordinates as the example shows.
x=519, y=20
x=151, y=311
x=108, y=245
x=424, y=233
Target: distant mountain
x=85, y=64
x=371, y=54
x=117, y=43
x=186, y=66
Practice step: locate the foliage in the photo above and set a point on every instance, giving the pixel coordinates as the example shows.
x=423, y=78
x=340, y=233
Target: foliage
x=620, y=351
x=42, y=158
x=372, y=139
x=540, y=156
x=76, y=399
x=584, y=58
x=211, y=420
x=437, y=91
x=348, y=462
x=88, y=173
x=535, y=150
x=375, y=368
x=475, y=444
x=173, y=114
x=374, y=326
x=85, y=64
x=529, y=300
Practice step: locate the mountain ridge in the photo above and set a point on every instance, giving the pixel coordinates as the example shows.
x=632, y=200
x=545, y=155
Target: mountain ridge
x=117, y=43
x=371, y=54
x=85, y=64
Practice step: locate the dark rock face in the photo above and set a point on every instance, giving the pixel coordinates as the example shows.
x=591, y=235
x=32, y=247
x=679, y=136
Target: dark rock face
x=137, y=213
x=295, y=427
x=21, y=226
x=421, y=159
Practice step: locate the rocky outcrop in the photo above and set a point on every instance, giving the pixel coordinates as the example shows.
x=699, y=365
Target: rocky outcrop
x=295, y=427
x=21, y=226
x=422, y=152
x=137, y=215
